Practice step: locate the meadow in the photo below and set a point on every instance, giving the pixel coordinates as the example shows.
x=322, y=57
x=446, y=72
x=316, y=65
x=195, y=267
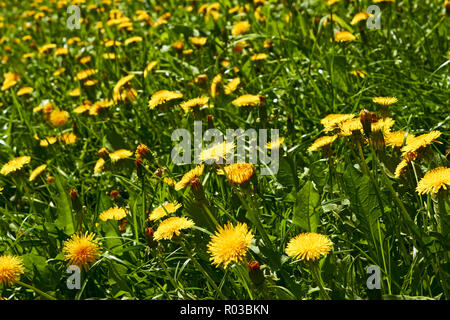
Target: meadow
x=93, y=206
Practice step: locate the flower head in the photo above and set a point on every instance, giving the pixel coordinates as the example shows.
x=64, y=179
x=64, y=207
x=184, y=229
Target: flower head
x=309, y=246
x=238, y=172
x=163, y=210
x=332, y=121
x=82, y=249
x=11, y=80
x=230, y=243
x=421, y=141
x=361, y=16
x=172, y=226
x=247, y=100
x=193, y=103
x=383, y=125
x=349, y=126
x=240, y=27
x=276, y=144
x=36, y=172
x=163, y=96
x=113, y=213
x=11, y=267
x=322, y=142
x=59, y=117
x=186, y=179
x=217, y=152
x=385, y=101
x=120, y=154
x=396, y=138
x=231, y=86
x=434, y=180
x=14, y=165
x=344, y=36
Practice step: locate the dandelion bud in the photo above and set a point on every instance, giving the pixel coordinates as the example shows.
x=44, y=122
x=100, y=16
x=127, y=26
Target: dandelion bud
x=255, y=273
x=149, y=232
x=76, y=203
x=209, y=118
x=73, y=194
x=142, y=151
x=114, y=194
x=103, y=153
x=366, y=119
x=50, y=179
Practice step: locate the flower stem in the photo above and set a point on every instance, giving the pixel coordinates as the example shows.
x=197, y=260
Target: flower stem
x=42, y=293
x=314, y=267
x=202, y=270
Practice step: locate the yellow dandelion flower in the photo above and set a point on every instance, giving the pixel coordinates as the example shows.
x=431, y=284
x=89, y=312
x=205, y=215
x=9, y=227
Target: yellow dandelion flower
x=247, y=100
x=164, y=210
x=231, y=86
x=59, y=117
x=276, y=144
x=332, y=121
x=11, y=267
x=322, y=142
x=149, y=68
x=47, y=47
x=230, y=244
x=169, y=181
x=48, y=141
x=133, y=40
x=15, y=165
x=82, y=249
x=238, y=172
x=69, y=138
x=349, y=126
x=85, y=74
x=186, y=179
x=110, y=56
x=434, y=180
x=383, y=125
x=57, y=72
x=11, y=80
x=163, y=96
x=240, y=28
x=396, y=138
x=172, y=226
x=198, y=41
x=122, y=82
x=217, y=151
x=24, y=90
x=36, y=172
x=385, y=101
x=309, y=246
x=259, y=57
x=61, y=51
x=421, y=141
x=344, y=36
x=214, y=85
x=401, y=167
x=75, y=92
x=193, y=103
x=99, y=165
x=114, y=213
x=361, y=16
x=120, y=154
x=380, y=1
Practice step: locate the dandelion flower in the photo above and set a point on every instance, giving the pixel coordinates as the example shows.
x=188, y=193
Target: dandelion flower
x=163, y=96
x=11, y=267
x=85, y=74
x=114, y=213
x=59, y=117
x=69, y=138
x=385, y=101
x=99, y=165
x=198, y=41
x=214, y=85
x=11, y=80
x=309, y=246
x=172, y=226
x=82, y=249
x=247, y=100
x=396, y=138
x=14, y=165
x=229, y=243
x=322, y=142
x=163, y=210
x=383, y=125
x=359, y=73
x=149, y=68
x=231, y=86
x=238, y=172
x=361, y=16
x=401, y=167
x=344, y=36
x=434, y=180
x=216, y=152
x=186, y=179
x=240, y=28
x=122, y=81
x=36, y=172
x=259, y=57
x=120, y=154
x=24, y=91
x=332, y=121
x=193, y=103
x=276, y=144
x=421, y=141
x=349, y=126
x=48, y=141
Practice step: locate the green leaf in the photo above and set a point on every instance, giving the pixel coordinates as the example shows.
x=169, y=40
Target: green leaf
x=65, y=219
x=306, y=210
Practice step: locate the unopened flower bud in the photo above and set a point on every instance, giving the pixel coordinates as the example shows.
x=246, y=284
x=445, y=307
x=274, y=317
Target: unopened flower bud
x=255, y=273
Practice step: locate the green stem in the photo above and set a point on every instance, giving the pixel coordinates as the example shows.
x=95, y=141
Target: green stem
x=202, y=270
x=163, y=265
x=42, y=293
x=314, y=267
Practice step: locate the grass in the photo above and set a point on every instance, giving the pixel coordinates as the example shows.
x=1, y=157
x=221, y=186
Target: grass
x=348, y=193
